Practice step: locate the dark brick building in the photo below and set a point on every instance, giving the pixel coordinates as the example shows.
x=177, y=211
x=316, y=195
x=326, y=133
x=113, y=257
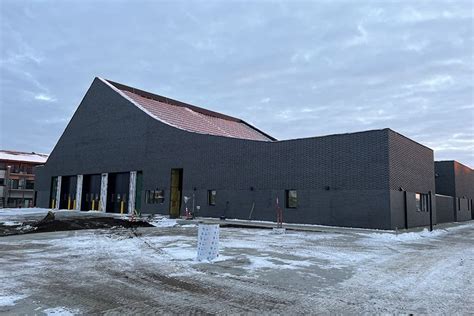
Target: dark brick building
x=455, y=191
x=127, y=149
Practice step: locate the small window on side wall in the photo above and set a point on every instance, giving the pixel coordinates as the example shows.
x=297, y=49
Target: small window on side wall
x=150, y=196
x=159, y=196
x=211, y=197
x=291, y=199
x=155, y=196
x=421, y=202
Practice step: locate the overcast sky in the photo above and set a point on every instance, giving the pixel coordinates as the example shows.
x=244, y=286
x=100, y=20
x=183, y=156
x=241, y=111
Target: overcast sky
x=293, y=69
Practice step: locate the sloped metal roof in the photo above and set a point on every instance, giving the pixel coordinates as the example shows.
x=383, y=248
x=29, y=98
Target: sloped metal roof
x=189, y=117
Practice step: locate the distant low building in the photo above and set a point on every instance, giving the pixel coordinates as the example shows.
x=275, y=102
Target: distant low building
x=17, y=177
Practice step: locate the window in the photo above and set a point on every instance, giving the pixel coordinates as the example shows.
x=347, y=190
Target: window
x=159, y=196
x=211, y=197
x=155, y=196
x=15, y=168
x=14, y=184
x=291, y=199
x=149, y=195
x=2, y=181
x=422, y=201
x=30, y=184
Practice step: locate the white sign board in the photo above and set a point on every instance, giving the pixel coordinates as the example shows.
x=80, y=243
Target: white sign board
x=208, y=242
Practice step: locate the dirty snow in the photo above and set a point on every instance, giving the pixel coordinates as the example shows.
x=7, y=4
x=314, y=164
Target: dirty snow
x=163, y=222
x=9, y=212
x=10, y=223
x=405, y=237
x=10, y=300
x=256, y=271
x=63, y=311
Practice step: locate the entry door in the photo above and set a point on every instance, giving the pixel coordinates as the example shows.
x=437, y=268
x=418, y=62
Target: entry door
x=175, y=192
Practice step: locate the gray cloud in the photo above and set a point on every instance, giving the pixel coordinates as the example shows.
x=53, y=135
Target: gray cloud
x=294, y=69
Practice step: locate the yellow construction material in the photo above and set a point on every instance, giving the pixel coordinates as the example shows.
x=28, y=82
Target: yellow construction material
x=74, y=204
x=69, y=203
x=93, y=205
x=121, y=207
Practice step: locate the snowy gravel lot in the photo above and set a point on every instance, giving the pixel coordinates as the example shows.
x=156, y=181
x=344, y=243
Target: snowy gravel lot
x=153, y=270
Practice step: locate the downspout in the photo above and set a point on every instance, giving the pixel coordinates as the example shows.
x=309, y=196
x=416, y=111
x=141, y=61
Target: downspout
x=405, y=208
x=431, y=212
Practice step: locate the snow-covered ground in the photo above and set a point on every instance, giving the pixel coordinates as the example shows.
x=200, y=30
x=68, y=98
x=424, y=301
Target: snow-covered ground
x=12, y=212
x=154, y=270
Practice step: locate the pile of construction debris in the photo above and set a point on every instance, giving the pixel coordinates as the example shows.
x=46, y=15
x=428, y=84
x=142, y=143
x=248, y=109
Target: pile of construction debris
x=51, y=223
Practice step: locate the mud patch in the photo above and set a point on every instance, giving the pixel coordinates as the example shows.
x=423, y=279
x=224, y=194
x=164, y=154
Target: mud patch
x=53, y=225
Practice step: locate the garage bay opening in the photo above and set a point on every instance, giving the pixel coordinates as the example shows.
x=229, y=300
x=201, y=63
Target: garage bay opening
x=117, y=192
x=91, y=192
x=68, y=193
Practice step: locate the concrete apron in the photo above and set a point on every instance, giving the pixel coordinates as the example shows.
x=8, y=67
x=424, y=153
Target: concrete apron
x=306, y=227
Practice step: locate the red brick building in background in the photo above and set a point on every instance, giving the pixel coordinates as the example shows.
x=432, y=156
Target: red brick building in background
x=17, y=177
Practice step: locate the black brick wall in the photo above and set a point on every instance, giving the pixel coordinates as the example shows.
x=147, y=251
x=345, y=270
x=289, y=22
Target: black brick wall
x=456, y=180
x=445, y=209
x=464, y=180
x=412, y=170
x=445, y=184
x=341, y=179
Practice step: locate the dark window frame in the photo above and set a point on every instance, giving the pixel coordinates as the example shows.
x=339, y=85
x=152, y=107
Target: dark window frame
x=291, y=201
x=29, y=184
x=14, y=184
x=159, y=196
x=155, y=196
x=422, y=202
x=211, y=197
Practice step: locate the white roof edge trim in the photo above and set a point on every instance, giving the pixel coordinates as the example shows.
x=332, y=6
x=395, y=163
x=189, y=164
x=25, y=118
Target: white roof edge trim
x=165, y=122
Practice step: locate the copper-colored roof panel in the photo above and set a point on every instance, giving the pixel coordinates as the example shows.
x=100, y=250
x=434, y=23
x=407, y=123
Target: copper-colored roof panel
x=195, y=119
